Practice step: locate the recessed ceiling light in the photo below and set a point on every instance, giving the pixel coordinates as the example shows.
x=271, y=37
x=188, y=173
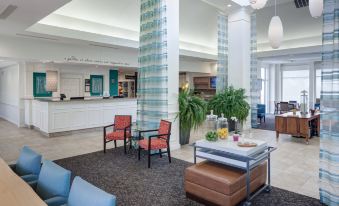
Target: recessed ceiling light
x=229, y=5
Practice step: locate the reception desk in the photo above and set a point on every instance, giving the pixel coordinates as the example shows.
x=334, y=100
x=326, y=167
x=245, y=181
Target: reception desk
x=55, y=116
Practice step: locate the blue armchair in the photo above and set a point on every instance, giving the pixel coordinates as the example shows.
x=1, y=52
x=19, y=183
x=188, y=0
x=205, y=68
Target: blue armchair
x=53, y=184
x=28, y=165
x=261, y=112
x=84, y=194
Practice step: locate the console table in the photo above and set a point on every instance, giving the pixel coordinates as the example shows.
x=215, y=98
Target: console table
x=297, y=125
x=229, y=153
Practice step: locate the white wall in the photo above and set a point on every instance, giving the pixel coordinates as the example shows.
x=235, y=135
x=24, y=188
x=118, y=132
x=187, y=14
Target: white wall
x=33, y=49
x=9, y=94
x=66, y=71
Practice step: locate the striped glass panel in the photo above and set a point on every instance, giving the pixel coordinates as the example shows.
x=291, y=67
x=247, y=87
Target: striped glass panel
x=152, y=72
x=222, y=73
x=254, y=81
x=329, y=134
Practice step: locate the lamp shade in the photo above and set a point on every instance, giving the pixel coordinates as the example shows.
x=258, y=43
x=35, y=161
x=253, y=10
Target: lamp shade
x=51, y=81
x=316, y=8
x=258, y=4
x=275, y=32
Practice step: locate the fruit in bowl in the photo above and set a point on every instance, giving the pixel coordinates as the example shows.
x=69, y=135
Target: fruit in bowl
x=222, y=133
x=211, y=136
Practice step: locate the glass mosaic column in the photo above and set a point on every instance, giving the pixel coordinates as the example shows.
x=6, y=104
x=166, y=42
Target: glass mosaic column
x=329, y=134
x=254, y=81
x=222, y=73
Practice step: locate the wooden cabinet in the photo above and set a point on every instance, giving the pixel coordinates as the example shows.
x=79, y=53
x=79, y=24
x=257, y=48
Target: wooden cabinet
x=205, y=86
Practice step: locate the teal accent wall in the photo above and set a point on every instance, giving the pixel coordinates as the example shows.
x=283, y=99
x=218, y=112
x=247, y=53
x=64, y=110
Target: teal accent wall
x=39, y=85
x=97, y=85
x=113, y=82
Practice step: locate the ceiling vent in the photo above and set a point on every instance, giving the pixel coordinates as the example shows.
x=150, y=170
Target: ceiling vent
x=301, y=3
x=6, y=12
x=37, y=37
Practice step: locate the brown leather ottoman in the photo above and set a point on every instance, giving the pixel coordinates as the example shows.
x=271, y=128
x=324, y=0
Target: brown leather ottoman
x=215, y=184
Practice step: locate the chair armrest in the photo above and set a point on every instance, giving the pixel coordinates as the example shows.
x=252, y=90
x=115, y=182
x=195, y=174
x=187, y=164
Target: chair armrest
x=111, y=125
x=159, y=135
x=56, y=201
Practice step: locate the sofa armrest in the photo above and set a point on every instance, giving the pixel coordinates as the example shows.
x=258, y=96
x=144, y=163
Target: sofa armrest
x=29, y=178
x=56, y=201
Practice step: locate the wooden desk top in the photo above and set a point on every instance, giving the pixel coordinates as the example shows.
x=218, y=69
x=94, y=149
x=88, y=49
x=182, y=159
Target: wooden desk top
x=14, y=191
x=298, y=115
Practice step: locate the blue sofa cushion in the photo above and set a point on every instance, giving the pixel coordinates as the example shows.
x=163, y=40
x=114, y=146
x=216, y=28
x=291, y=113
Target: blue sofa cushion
x=29, y=162
x=53, y=181
x=85, y=194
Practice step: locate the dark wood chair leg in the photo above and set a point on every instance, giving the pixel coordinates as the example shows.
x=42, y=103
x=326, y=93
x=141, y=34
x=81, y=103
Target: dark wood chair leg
x=264, y=119
x=149, y=158
x=130, y=143
x=169, y=154
x=139, y=150
x=115, y=144
x=104, y=145
x=125, y=146
x=160, y=153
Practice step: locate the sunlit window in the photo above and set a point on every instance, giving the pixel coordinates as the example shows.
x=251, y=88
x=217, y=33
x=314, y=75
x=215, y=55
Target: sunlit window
x=293, y=83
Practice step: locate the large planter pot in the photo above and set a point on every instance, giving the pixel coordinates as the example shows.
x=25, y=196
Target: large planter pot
x=185, y=136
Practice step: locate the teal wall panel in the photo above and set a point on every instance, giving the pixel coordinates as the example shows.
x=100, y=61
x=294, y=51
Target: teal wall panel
x=39, y=85
x=113, y=82
x=97, y=85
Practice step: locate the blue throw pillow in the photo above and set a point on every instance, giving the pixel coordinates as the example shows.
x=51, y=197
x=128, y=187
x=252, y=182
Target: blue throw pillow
x=29, y=162
x=85, y=194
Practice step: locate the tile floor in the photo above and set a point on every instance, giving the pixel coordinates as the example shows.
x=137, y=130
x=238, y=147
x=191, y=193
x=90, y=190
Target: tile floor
x=294, y=164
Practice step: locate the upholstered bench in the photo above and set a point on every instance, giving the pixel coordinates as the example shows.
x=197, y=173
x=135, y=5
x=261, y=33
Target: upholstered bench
x=216, y=184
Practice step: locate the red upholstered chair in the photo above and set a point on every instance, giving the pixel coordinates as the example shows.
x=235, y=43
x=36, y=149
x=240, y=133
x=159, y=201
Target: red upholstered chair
x=121, y=131
x=156, y=142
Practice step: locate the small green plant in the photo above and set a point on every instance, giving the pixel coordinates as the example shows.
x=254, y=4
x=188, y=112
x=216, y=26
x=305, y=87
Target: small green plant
x=211, y=136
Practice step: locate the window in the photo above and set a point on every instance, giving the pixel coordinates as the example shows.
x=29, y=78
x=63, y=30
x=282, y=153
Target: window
x=318, y=83
x=97, y=84
x=293, y=83
x=39, y=85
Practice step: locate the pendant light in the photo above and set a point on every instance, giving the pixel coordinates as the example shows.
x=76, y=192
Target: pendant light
x=258, y=4
x=316, y=7
x=275, y=30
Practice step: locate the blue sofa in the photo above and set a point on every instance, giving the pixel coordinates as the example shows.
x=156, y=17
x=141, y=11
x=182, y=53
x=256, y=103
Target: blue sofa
x=53, y=184
x=28, y=165
x=84, y=194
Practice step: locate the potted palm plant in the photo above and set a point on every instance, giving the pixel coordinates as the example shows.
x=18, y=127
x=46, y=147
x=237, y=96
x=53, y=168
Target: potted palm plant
x=232, y=103
x=192, y=114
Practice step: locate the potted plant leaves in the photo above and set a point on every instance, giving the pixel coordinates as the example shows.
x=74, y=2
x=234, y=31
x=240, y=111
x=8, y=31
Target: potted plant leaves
x=192, y=114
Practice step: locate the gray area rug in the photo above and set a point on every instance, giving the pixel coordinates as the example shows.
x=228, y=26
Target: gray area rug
x=134, y=184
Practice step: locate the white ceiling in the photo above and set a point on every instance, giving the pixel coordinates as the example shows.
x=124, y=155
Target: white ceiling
x=116, y=22
x=26, y=14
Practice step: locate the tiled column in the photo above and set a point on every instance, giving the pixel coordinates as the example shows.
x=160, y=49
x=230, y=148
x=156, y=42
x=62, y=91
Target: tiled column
x=222, y=72
x=158, y=74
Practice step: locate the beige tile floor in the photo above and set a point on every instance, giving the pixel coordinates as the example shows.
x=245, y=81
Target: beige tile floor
x=294, y=164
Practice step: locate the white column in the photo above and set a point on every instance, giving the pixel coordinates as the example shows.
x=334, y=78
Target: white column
x=239, y=38
x=312, y=82
x=173, y=69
